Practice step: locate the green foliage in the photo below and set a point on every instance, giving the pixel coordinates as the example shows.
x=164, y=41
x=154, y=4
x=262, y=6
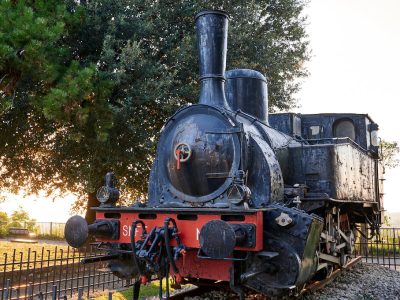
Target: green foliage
x=85, y=87
x=20, y=219
x=3, y=223
x=30, y=32
x=387, y=221
x=389, y=154
x=147, y=291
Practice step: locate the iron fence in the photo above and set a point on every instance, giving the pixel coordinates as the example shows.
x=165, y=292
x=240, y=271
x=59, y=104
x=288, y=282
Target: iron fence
x=41, y=272
x=50, y=229
x=37, y=272
x=54, y=294
x=382, y=249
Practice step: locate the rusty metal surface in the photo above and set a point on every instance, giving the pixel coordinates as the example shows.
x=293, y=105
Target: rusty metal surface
x=317, y=285
x=189, y=227
x=341, y=171
x=212, y=40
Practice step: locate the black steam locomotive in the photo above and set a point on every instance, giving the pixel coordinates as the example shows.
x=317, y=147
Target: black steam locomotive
x=237, y=196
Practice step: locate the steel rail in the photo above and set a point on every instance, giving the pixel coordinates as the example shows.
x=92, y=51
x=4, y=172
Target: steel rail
x=317, y=285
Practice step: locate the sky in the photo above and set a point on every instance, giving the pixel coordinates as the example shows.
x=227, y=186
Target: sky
x=355, y=68
x=39, y=207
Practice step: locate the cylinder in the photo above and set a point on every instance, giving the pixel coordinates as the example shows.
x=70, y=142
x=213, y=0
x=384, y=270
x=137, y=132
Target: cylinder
x=247, y=90
x=212, y=38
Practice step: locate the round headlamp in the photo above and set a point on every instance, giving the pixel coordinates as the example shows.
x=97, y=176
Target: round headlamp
x=108, y=195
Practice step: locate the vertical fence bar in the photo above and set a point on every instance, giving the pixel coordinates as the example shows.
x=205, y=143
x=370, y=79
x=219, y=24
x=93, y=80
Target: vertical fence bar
x=79, y=269
x=27, y=272
x=66, y=272
x=13, y=266
x=17, y=293
x=370, y=246
x=48, y=271
x=113, y=282
x=7, y=292
x=41, y=268
x=395, y=244
x=84, y=269
x=89, y=268
x=80, y=293
x=73, y=269
x=95, y=265
x=55, y=264
x=383, y=244
x=60, y=273
x=34, y=269
x=109, y=278
x=54, y=293
x=30, y=291
x=4, y=275
x=21, y=255
x=110, y=295
x=104, y=279
x=96, y=273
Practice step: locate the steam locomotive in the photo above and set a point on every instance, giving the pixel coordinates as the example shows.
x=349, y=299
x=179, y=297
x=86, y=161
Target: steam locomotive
x=261, y=202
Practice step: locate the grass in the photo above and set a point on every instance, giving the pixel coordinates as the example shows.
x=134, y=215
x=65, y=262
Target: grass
x=146, y=291
x=8, y=247
x=386, y=247
x=22, y=253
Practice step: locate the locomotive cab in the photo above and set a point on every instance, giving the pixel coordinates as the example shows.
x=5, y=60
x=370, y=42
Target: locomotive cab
x=315, y=128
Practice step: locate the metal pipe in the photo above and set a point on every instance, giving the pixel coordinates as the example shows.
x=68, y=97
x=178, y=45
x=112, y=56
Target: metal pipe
x=89, y=260
x=212, y=38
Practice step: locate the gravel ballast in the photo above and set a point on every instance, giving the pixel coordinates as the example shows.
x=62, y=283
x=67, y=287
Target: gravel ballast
x=362, y=282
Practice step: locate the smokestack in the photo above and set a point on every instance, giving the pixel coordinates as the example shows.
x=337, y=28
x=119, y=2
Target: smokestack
x=212, y=38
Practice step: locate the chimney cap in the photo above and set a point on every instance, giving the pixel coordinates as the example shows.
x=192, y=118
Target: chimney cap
x=244, y=73
x=210, y=11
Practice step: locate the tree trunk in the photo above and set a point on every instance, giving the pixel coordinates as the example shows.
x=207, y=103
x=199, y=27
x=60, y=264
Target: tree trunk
x=90, y=215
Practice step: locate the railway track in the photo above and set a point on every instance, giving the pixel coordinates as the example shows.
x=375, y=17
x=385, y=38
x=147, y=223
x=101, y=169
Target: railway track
x=316, y=285
x=310, y=288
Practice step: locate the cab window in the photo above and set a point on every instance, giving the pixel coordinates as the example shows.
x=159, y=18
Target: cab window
x=315, y=132
x=344, y=128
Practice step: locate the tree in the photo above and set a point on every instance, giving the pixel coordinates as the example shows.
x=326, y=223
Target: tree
x=3, y=223
x=21, y=219
x=111, y=73
x=389, y=152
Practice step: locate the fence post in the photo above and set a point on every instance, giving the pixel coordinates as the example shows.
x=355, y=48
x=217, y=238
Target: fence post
x=54, y=293
x=7, y=290
x=364, y=241
x=109, y=295
x=80, y=293
x=30, y=291
x=51, y=228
